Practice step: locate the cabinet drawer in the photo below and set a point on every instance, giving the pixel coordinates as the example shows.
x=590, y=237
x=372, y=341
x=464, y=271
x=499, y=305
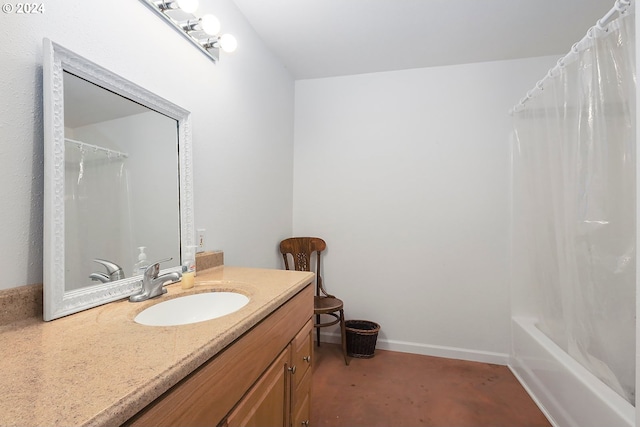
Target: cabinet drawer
x=302, y=352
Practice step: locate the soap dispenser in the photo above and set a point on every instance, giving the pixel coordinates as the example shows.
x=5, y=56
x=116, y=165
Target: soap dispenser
x=189, y=268
x=142, y=264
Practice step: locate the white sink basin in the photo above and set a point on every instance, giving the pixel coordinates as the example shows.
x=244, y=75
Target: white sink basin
x=192, y=309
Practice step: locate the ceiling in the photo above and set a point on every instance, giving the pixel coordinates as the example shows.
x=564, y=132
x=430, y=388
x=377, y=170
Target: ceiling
x=323, y=38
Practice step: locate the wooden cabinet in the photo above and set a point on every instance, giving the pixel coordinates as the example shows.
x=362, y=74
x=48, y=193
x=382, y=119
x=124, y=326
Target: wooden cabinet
x=282, y=396
x=262, y=379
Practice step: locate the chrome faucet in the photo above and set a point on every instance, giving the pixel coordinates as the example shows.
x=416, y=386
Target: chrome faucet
x=99, y=276
x=114, y=272
x=152, y=284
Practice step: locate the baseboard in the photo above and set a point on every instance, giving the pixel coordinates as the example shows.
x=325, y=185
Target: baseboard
x=430, y=350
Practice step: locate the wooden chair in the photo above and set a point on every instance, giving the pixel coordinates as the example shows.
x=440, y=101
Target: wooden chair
x=301, y=249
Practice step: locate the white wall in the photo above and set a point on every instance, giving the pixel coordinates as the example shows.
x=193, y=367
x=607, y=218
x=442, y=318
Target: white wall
x=406, y=176
x=242, y=113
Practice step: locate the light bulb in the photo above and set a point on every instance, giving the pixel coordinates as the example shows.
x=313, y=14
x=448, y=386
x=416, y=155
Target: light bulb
x=210, y=24
x=188, y=6
x=228, y=43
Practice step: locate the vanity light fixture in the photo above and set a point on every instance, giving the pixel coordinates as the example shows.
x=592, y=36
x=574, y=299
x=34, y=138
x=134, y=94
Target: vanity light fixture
x=226, y=42
x=187, y=6
x=203, y=31
x=208, y=23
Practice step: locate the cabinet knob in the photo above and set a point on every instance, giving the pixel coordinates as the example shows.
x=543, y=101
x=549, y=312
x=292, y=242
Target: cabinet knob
x=307, y=359
x=292, y=369
x=305, y=423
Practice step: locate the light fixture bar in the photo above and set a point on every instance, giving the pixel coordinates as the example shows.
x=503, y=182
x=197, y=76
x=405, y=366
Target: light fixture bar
x=212, y=53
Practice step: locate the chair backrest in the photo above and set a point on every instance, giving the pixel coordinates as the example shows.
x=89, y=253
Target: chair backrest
x=301, y=249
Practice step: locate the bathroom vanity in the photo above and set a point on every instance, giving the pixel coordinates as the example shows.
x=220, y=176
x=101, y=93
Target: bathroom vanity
x=268, y=365
x=99, y=367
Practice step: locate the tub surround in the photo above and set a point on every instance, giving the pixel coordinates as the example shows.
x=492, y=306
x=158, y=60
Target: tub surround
x=564, y=390
x=99, y=367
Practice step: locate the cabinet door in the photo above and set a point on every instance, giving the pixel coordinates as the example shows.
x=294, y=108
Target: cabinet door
x=302, y=359
x=301, y=408
x=266, y=403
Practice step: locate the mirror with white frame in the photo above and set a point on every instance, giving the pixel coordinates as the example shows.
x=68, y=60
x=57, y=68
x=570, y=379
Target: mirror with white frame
x=118, y=177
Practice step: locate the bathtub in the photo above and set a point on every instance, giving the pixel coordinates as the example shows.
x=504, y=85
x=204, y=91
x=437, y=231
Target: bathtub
x=565, y=391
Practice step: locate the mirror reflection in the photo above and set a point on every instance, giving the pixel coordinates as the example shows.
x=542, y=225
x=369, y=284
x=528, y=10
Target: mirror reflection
x=121, y=185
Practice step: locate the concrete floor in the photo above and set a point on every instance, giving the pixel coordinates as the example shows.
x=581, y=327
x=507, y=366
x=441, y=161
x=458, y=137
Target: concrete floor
x=401, y=389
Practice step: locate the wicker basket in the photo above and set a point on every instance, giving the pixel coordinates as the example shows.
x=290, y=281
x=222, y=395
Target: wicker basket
x=361, y=338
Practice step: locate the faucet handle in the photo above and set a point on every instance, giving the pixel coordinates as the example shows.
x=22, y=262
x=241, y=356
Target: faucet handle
x=114, y=271
x=152, y=285
x=110, y=266
x=151, y=272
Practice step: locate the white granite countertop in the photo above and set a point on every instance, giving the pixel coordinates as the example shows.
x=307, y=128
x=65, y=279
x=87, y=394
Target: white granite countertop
x=98, y=367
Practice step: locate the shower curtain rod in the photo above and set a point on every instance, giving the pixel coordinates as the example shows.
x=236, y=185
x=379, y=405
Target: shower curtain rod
x=108, y=151
x=619, y=9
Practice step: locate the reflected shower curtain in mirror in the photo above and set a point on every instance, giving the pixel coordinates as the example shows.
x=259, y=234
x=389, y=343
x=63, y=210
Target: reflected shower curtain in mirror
x=97, y=209
x=574, y=205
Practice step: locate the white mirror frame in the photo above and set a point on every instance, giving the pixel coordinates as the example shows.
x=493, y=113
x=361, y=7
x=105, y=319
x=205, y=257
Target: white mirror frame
x=56, y=301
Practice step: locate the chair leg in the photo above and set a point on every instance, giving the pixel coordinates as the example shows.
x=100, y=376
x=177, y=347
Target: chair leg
x=344, y=338
x=318, y=330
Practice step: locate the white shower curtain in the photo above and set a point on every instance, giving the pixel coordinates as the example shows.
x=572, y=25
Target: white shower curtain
x=97, y=214
x=574, y=204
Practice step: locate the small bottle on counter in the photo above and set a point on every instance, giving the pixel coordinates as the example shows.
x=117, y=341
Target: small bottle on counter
x=141, y=265
x=189, y=268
